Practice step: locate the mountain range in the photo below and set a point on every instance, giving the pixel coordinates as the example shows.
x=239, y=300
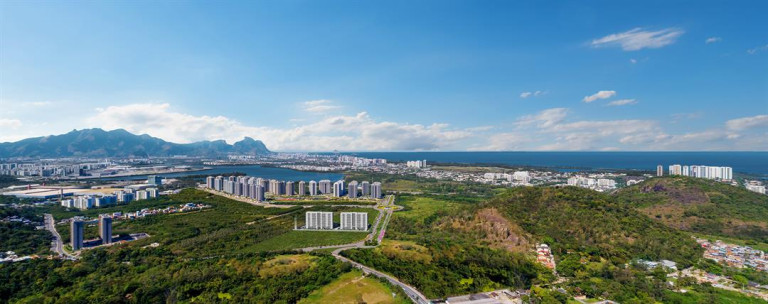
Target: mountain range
x=121, y=143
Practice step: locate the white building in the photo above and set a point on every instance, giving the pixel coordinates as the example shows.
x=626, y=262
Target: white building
x=376, y=190
x=318, y=220
x=354, y=221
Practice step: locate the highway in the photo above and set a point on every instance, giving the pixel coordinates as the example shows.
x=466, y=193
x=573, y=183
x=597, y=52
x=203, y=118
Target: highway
x=57, y=245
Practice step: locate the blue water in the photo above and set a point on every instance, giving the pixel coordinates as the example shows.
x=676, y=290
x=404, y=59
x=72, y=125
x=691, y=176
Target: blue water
x=250, y=170
x=755, y=163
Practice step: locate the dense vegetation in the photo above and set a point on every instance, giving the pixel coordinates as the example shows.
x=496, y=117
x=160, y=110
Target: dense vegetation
x=593, y=225
x=218, y=253
x=156, y=275
x=702, y=206
x=23, y=238
x=456, y=247
x=442, y=261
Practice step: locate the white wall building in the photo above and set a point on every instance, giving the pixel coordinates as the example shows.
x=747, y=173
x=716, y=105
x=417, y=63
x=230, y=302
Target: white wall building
x=354, y=221
x=318, y=220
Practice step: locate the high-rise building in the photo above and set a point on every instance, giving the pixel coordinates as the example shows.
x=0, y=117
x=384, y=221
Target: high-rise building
x=218, y=183
x=675, y=170
x=313, y=188
x=365, y=189
x=289, y=188
x=141, y=195
x=260, y=194
x=152, y=192
x=302, y=189
x=354, y=221
x=352, y=189
x=324, y=187
x=76, y=230
x=659, y=170
x=105, y=229
x=338, y=188
x=209, y=182
x=155, y=180
x=318, y=220
x=376, y=190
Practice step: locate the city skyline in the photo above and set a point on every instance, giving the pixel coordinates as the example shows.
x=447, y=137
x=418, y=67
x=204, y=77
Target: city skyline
x=428, y=76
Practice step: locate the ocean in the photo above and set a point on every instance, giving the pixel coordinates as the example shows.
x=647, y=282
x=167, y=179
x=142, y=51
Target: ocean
x=752, y=163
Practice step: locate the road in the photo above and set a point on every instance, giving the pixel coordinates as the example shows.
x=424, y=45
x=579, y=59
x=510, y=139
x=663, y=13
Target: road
x=57, y=245
x=411, y=292
x=388, y=205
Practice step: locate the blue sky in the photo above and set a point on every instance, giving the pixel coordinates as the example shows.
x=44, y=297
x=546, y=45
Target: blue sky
x=394, y=75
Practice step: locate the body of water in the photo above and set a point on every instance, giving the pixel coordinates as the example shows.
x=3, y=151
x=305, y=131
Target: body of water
x=754, y=163
x=250, y=170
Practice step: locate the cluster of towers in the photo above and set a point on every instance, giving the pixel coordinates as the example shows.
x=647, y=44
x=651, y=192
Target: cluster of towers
x=77, y=231
x=255, y=188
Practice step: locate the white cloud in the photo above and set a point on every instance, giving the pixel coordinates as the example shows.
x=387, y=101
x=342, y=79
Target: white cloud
x=349, y=133
x=622, y=102
x=758, y=49
x=525, y=95
x=632, y=60
x=543, y=119
x=713, y=40
x=637, y=39
x=319, y=106
x=747, y=122
x=599, y=95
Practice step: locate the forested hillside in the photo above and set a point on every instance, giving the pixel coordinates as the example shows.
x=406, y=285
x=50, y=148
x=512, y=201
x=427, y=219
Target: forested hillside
x=446, y=248
x=701, y=206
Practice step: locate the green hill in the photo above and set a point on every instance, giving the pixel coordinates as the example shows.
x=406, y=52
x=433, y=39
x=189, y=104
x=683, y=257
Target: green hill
x=444, y=247
x=701, y=206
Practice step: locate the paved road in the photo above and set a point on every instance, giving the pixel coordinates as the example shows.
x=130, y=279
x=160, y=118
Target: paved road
x=57, y=245
x=411, y=292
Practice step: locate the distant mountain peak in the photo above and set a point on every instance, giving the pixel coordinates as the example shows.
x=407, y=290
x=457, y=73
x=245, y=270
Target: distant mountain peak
x=96, y=142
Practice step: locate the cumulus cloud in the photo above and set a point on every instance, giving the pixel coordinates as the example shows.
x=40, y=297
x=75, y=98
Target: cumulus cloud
x=622, y=102
x=638, y=38
x=599, y=95
x=747, y=122
x=319, y=106
x=713, y=40
x=758, y=49
x=359, y=132
x=525, y=95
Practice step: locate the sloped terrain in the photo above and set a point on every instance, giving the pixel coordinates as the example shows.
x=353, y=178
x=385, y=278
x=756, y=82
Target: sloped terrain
x=701, y=206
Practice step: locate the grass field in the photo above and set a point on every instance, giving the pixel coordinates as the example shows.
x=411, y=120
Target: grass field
x=353, y=287
x=301, y=239
x=422, y=207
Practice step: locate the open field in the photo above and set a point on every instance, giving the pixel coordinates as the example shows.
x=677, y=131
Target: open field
x=417, y=207
x=353, y=287
x=300, y=239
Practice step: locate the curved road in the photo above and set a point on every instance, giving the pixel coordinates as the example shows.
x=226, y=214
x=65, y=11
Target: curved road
x=411, y=292
x=57, y=245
